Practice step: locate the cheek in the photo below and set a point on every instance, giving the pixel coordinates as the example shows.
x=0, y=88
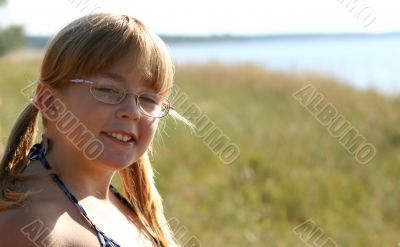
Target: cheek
x=73, y=109
x=91, y=113
x=147, y=130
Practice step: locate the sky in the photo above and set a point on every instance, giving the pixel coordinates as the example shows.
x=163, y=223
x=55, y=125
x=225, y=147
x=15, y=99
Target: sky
x=205, y=17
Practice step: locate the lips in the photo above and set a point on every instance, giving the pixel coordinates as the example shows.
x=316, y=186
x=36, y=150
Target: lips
x=121, y=136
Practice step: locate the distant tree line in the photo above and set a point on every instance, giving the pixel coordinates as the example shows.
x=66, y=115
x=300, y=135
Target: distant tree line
x=10, y=37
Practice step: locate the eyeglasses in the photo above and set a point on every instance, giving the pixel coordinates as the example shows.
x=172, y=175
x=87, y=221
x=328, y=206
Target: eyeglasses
x=109, y=92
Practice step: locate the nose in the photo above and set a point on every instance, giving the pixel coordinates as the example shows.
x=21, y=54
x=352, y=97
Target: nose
x=128, y=108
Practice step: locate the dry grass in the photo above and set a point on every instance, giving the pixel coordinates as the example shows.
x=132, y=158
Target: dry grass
x=290, y=169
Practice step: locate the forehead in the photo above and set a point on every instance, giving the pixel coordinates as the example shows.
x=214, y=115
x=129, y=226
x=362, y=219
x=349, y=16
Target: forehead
x=129, y=71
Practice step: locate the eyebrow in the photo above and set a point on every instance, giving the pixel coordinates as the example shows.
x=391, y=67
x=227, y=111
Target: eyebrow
x=120, y=78
x=115, y=76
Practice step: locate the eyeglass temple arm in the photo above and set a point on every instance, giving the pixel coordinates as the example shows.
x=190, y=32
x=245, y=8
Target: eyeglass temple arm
x=80, y=81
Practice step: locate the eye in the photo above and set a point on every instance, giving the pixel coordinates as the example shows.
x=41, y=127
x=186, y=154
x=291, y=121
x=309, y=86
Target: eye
x=107, y=87
x=107, y=90
x=150, y=99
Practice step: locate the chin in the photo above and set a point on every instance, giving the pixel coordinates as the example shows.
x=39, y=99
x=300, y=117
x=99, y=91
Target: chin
x=117, y=162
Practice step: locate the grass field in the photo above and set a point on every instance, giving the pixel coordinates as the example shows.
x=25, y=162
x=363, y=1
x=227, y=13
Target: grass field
x=290, y=168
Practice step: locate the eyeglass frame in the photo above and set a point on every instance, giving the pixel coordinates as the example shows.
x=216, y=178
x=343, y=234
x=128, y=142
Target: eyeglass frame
x=126, y=93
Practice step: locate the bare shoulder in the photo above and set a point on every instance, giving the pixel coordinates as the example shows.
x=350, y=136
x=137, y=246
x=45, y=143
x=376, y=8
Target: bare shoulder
x=42, y=225
x=22, y=227
x=38, y=223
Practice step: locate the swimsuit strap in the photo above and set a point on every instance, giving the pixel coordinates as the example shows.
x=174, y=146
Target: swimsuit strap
x=38, y=152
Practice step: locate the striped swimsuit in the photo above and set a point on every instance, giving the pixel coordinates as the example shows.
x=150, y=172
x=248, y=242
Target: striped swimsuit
x=38, y=152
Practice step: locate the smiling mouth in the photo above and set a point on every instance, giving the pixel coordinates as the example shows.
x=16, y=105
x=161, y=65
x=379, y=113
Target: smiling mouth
x=120, y=137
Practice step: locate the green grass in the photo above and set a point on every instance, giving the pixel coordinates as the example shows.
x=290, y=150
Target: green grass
x=290, y=168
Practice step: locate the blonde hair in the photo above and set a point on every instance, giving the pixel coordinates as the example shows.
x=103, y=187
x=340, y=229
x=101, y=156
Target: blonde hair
x=87, y=46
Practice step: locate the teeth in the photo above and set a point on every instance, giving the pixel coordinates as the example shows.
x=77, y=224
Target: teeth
x=120, y=136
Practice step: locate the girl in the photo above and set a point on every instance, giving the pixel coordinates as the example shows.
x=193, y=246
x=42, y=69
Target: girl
x=103, y=88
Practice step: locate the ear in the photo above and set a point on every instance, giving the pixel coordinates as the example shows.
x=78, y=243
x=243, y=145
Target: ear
x=46, y=100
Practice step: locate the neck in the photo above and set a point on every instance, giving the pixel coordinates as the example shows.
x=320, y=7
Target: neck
x=84, y=178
